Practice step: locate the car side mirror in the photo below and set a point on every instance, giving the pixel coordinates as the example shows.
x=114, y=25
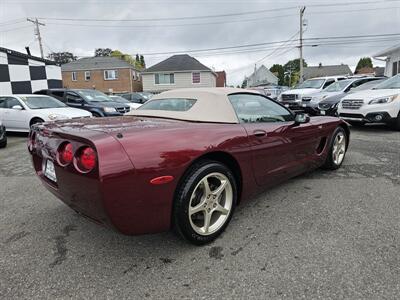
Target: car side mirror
x=17, y=107
x=301, y=119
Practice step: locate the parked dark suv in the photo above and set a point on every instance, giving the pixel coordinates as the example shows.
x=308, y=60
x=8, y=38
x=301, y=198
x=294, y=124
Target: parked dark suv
x=98, y=103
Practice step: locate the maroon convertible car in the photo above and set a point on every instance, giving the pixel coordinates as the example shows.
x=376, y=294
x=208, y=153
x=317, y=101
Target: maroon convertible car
x=184, y=160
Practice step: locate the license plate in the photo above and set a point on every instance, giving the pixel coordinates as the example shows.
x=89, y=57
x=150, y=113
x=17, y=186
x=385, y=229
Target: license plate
x=322, y=112
x=49, y=170
x=304, y=105
x=286, y=105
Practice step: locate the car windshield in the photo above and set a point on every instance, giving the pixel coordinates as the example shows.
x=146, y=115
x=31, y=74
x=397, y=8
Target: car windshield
x=391, y=83
x=146, y=95
x=119, y=99
x=338, y=86
x=311, y=84
x=170, y=104
x=93, y=96
x=368, y=85
x=41, y=102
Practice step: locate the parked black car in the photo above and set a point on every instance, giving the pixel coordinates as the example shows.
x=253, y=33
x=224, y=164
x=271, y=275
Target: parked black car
x=138, y=97
x=98, y=103
x=3, y=137
x=329, y=105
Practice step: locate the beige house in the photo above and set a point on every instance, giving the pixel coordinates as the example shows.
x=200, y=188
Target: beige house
x=106, y=74
x=178, y=71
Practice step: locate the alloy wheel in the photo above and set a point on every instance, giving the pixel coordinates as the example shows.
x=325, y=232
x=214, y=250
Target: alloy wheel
x=339, y=148
x=210, y=203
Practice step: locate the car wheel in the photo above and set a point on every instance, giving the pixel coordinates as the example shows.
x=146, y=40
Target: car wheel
x=3, y=144
x=35, y=121
x=396, y=123
x=337, y=149
x=205, y=202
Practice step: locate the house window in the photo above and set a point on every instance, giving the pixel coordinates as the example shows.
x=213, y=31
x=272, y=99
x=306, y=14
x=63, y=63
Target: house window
x=164, y=78
x=87, y=75
x=73, y=76
x=110, y=75
x=196, y=77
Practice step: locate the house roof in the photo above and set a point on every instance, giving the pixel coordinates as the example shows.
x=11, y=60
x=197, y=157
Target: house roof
x=26, y=56
x=388, y=51
x=264, y=81
x=178, y=63
x=96, y=63
x=323, y=71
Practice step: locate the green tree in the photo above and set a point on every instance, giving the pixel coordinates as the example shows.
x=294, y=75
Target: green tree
x=102, y=52
x=364, y=62
x=61, y=58
x=244, y=83
x=292, y=71
x=279, y=72
x=142, y=62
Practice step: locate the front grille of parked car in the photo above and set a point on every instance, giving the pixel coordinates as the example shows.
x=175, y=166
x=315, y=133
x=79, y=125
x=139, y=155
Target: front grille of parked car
x=356, y=116
x=123, y=110
x=352, y=104
x=288, y=97
x=306, y=99
x=324, y=105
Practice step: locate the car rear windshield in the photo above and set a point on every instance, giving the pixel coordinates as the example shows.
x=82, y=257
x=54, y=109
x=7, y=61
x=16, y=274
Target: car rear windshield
x=42, y=102
x=338, y=86
x=93, y=96
x=169, y=104
x=311, y=84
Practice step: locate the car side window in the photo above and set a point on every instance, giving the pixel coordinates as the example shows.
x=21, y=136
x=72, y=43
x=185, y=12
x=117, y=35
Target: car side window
x=251, y=108
x=328, y=82
x=57, y=94
x=136, y=98
x=73, y=98
x=10, y=102
x=3, y=102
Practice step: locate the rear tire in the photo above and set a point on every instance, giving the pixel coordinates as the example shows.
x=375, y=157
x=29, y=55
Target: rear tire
x=3, y=144
x=337, y=149
x=204, y=202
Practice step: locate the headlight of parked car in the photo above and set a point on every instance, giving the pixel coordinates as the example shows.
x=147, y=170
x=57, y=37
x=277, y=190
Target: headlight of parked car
x=57, y=117
x=382, y=100
x=109, y=109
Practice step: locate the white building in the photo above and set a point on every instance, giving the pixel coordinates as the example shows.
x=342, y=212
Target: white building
x=392, y=58
x=178, y=71
x=262, y=76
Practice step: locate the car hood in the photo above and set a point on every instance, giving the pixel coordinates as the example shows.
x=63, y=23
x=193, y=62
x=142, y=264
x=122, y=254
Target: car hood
x=368, y=95
x=300, y=91
x=69, y=112
x=334, y=98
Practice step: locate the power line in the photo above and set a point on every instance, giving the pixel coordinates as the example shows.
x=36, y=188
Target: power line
x=214, y=16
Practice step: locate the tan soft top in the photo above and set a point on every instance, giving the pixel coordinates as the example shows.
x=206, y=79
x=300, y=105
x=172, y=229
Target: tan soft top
x=212, y=105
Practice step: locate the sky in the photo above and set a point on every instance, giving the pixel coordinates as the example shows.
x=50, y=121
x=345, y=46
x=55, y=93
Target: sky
x=181, y=26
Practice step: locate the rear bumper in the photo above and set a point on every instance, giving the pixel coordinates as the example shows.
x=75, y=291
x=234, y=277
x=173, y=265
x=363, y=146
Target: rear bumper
x=113, y=194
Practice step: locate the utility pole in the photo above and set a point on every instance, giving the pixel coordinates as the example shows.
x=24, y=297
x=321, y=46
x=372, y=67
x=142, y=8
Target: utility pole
x=302, y=9
x=37, y=33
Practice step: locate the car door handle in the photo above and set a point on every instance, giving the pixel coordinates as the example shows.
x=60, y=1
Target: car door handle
x=259, y=132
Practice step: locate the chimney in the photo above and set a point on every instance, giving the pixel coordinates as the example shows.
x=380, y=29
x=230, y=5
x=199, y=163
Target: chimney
x=28, y=51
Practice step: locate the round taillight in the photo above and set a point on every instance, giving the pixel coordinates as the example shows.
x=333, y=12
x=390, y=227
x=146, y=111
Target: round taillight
x=65, y=154
x=86, y=159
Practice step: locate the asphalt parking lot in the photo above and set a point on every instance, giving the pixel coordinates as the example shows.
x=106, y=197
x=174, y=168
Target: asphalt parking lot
x=325, y=235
